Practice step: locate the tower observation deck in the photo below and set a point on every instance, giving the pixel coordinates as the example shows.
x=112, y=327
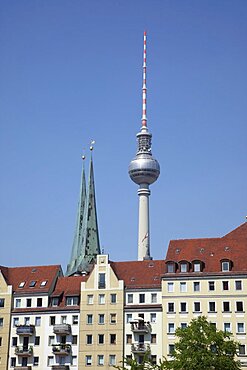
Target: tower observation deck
x=144, y=170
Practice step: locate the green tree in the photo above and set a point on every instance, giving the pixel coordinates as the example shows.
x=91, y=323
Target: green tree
x=201, y=346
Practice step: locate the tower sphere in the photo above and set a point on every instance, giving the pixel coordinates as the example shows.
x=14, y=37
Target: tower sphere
x=144, y=169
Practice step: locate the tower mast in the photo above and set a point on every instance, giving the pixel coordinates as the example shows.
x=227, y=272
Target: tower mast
x=144, y=170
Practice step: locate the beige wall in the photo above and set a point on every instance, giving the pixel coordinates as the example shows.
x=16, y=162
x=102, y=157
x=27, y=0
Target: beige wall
x=6, y=294
x=91, y=305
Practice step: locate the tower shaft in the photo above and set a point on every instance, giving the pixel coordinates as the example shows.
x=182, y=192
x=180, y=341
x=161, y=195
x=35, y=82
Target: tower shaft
x=143, y=227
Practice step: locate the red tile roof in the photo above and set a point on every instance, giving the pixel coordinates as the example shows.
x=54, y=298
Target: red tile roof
x=211, y=251
x=140, y=274
x=69, y=285
x=39, y=274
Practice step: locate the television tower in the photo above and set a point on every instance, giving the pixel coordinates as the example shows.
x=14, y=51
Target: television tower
x=144, y=170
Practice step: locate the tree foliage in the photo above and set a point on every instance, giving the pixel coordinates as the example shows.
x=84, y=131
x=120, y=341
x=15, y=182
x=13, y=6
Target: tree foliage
x=201, y=346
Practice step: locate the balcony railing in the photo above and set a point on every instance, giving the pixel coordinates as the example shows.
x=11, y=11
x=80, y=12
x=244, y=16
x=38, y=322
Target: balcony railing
x=20, y=367
x=140, y=348
x=24, y=350
x=61, y=349
x=60, y=367
x=25, y=330
x=62, y=329
x=140, y=327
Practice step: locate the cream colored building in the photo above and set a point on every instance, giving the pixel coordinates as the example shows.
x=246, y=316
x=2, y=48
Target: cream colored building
x=101, y=317
x=5, y=310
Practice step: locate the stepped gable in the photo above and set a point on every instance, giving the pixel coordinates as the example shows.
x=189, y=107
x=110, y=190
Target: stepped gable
x=211, y=251
x=37, y=274
x=140, y=274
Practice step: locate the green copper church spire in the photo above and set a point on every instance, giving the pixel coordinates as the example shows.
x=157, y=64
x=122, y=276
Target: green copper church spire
x=87, y=234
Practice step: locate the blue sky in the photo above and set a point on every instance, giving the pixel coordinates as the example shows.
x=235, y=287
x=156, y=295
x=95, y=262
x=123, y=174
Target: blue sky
x=71, y=71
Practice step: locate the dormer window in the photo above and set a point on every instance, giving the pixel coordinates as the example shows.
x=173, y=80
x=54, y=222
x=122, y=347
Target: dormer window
x=197, y=266
x=183, y=267
x=22, y=284
x=55, y=301
x=43, y=283
x=226, y=265
x=72, y=301
x=32, y=283
x=171, y=267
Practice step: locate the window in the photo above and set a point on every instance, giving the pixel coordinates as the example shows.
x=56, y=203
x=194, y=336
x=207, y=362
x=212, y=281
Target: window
x=51, y=340
x=197, y=306
x=37, y=321
x=225, y=285
x=197, y=266
x=26, y=320
x=113, y=298
x=183, y=287
x=130, y=298
x=238, y=284
x=15, y=321
x=153, y=297
x=239, y=306
x=90, y=299
x=75, y=320
x=39, y=302
x=50, y=361
x=29, y=302
x=74, y=360
x=13, y=361
x=183, y=325
x=1, y=302
x=170, y=287
x=170, y=267
x=128, y=317
x=14, y=341
x=89, y=319
x=52, y=320
x=226, y=306
x=101, y=319
x=74, y=339
x=196, y=286
x=241, y=349
x=63, y=319
x=72, y=301
x=37, y=341
x=112, y=360
x=154, y=359
x=22, y=284
x=18, y=303
x=183, y=307
x=153, y=317
x=240, y=327
x=113, y=339
x=101, y=280
x=43, y=283
x=141, y=298
x=55, y=301
x=211, y=307
x=101, y=360
x=128, y=338
x=101, y=299
x=211, y=285
x=89, y=339
x=113, y=318
x=183, y=267
x=171, y=349
x=225, y=266
x=227, y=326
x=153, y=339
x=88, y=360
x=101, y=338
x=171, y=328
x=32, y=283
x=171, y=307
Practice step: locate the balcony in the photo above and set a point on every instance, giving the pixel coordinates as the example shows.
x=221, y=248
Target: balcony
x=20, y=367
x=63, y=329
x=140, y=348
x=60, y=367
x=24, y=351
x=140, y=327
x=61, y=349
x=25, y=330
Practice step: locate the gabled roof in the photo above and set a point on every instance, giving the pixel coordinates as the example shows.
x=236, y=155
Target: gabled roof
x=211, y=251
x=37, y=274
x=69, y=286
x=140, y=274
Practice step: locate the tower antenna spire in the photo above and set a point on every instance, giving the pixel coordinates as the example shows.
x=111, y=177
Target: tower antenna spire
x=144, y=82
